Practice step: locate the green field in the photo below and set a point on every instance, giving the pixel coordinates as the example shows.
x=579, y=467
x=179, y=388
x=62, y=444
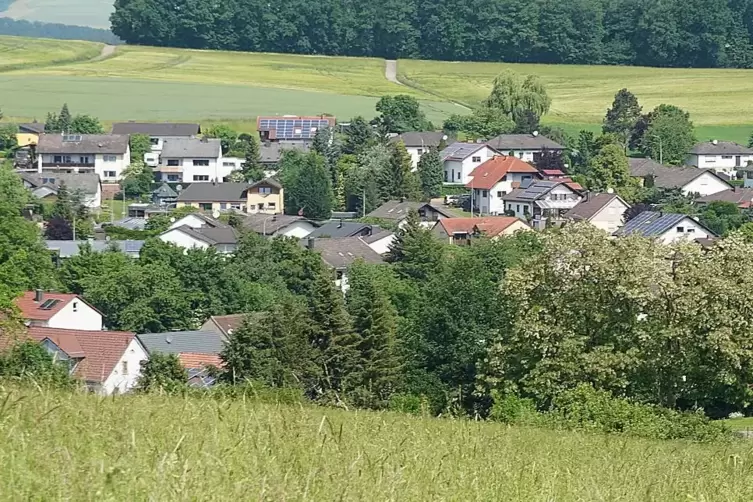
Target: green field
x=94, y=13
x=81, y=447
x=150, y=83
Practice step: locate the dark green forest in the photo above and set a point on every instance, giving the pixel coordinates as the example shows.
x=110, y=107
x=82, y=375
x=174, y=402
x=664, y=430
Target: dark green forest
x=59, y=31
x=664, y=33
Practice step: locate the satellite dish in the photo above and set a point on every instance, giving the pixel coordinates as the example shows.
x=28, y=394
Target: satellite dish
x=610, y=190
x=444, y=138
x=169, y=339
x=172, y=219
x=215, y=214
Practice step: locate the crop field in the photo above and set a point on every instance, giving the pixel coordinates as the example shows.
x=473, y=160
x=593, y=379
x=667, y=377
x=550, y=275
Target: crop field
x=81, y=447
x=94, y=13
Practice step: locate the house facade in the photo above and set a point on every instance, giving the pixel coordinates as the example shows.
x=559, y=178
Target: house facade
x=721, y=156
x=158, y=133
x=541, y=201
x=418, y=143
x=494, y=179
x=192, y=160
x=605, y=211
x=107, y=155
x=265, y=197
x=526, y=147
x=689, y=180
x=46, y=186
x=460, y=159
x=28, y=133
x=58, y=310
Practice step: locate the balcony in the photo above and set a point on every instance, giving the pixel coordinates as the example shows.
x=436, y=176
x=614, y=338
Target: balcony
x=67, y=165
x=168, y=169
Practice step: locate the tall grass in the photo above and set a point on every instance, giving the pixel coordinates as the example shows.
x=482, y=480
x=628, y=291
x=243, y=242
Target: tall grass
x=82, y=447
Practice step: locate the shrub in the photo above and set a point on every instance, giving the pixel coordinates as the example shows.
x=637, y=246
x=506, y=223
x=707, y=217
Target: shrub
x=409, y=403
x=29, y=361
x=511, y=409
x=256, y=391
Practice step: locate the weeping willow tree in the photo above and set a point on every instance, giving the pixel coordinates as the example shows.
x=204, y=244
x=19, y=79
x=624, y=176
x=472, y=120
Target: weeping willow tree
x=513, y=92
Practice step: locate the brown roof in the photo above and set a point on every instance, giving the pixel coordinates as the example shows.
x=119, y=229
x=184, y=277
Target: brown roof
x=341, y=253
x=101, y=349
x=489, y=225
x=228, y=323
x=197, y=361
x=667, y=177
x=30, y=309
x=493, y=170
x=590, y=205
x=739, y=196
x=398, y=210
x=83, y=143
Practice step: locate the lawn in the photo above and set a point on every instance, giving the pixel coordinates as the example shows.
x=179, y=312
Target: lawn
x=17, y=53
x=81, y=447
x=94, y=13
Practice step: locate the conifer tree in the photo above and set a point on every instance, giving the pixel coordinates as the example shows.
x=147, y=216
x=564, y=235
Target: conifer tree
x=415, y=251
x=65, y=121
x=431, y=173
x=252, y=168
x=397, y=179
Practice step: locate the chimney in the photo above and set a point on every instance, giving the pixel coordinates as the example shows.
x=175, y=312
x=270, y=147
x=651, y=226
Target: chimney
x=38, y=295
x=340, y=225
x=310, y=243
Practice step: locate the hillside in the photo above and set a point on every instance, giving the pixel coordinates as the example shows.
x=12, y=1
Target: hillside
x=180, y=84
x=94, y=13
x=68, y=446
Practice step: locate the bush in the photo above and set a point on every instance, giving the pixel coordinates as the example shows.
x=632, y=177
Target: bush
x=511, y=409
x=29, y=361
x=409, y=403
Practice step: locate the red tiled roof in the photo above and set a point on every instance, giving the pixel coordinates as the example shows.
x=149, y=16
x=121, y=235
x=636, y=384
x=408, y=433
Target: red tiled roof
x=101, y=349
x=196, y=361
x=489, y=225
x=490, y=172
x=552, y=172
x=30, y=309
x=575, y=186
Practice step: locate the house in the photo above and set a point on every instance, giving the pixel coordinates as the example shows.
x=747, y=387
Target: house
x=197, y=220
x=158, y=133
x=665, y=227
x=526, y=147
x=215, y=196
x=224, y=325
x=418, y=143
x=463, y=230
x=266, y=197
x=191, y=160
x=195, y=349
x=291, y=129
x=687, y=179
x=224, y=239
x=164, y=195
x=380, y=241
x=741, y=197
x=58, y=310
x=107, y=155
x=339, y=228
x=145, y=211
x=28, y=133
x=602, y=210
x=67, y=249
x=460, y=159
x=721, y=156
x=109, y=362
x=271, y=152
x=46, y=186
x=495, y=178
x=340, y=254
x=396, y=211
x=284, y=225
x=541, y=201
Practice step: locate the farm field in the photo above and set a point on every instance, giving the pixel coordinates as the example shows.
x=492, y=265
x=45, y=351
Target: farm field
x=82, y=447
x=94, y=13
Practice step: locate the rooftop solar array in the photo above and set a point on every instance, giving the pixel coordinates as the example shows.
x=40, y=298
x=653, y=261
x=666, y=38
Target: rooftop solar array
x=651, y=223
x=460, y=150
x=288, y=128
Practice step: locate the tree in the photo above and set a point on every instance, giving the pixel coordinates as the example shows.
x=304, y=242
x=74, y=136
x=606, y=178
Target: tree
x=140, y=145
x=526, y=121
x=482, y=123
x=669, y=135
x=399, y=114
x=511, y=93
x=431, y=173
x=585, y=150
x=85, y=124
x=414, y=251
x=8, y=136
x=137, y=179
x=397, y=179
x=361, y=193
x=58, y=229
x=308, y=186
x=227, y=136
x=610, y=169
x=623, y=116
x=162, y=372
x=358, y=136
x=64, y=120
x=722, y=217
x=29, y=360
x=253, y=170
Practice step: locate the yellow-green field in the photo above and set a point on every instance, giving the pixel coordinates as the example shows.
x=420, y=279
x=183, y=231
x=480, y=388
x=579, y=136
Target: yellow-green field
x=59, y=446
x=149, y=83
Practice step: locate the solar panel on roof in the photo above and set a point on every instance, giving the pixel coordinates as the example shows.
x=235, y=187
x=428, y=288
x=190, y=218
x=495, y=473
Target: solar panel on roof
x=289, y=128
x=49, y=304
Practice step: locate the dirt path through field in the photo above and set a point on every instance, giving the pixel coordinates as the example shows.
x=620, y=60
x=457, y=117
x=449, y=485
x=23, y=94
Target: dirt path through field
x=390, y=71
x=106, y=52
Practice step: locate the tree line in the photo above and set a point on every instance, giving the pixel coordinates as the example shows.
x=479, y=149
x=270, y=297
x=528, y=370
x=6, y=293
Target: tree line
x=22, y=28
x=672, y=33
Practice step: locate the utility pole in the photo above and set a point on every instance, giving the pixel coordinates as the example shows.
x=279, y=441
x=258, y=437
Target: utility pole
x=363, y=203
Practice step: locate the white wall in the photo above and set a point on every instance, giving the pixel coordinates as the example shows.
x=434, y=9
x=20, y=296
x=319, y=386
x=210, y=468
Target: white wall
x=524, y=155
x=521, y=209
x=492, y=202
x=124, y=377
x=415, y=153
x=461, y=170
x=611, y=217
x=214, y=170
x=179, y=238
x=690, y=230
x=190, y=220
x=382, y=246
x=720, y=163
x=77, y=315
x=114, y=169
x=706, y=184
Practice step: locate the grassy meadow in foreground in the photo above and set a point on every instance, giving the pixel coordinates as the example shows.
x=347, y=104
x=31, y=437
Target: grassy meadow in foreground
x=81, y=447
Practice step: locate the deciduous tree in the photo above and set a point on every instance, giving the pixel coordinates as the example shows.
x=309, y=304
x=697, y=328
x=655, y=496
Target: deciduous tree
x=623, y=116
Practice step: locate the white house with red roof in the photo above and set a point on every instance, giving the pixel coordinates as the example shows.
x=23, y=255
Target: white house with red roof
x=108, y=362
x=460, y=159
x=58, y=310
x=495, y=178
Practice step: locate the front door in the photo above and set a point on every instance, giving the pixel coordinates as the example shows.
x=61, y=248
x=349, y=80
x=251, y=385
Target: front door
x=738, y=161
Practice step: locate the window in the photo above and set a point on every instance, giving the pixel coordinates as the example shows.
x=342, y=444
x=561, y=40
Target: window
x=110, y=174
x=420, y=151
x=201, y=177
x=125, y=367
x=339, y=275
x=500, y=193
x=476, y=159
x=680, y=230
x=727, y=157
x=62, y=159
x=710, y=159
x=265, y=190
x=205, y=206
x=110, y=158
x=525, y=209
x=173, y=177
x=485, y=193
x=223, y=205
x=75, y=306
x=201, y=162
x=517, y=210
x=173, y=162
x=271, y=205
x=84, y=159
x=52, y=180
x=691, y=230
x=154, y=141
x=228, y=164
x=458, y=175
x=445, y=175
x=251, y=207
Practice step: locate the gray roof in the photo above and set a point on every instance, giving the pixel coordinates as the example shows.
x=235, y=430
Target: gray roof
x=87, y=183
x=420, y=139
x=267, y=181
x=192, y=148
x=337, y=229
x=460, y=151
x=398, y=210
x=270, y=224
x=667, y=177
x=210, y=235
x=341, y=253
x=591, y=204
x=734, y=195
x=128, y=223
x=375, y=236
x=164, y=192
x=271, y=153
x=214, y=192
x=534, y=191
x=66, y=249
x=653, y=224
x=33, y=127
x=164, y=129
x=82, y=143
x=505, y=142
x=182, y=342
x=720, y=148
